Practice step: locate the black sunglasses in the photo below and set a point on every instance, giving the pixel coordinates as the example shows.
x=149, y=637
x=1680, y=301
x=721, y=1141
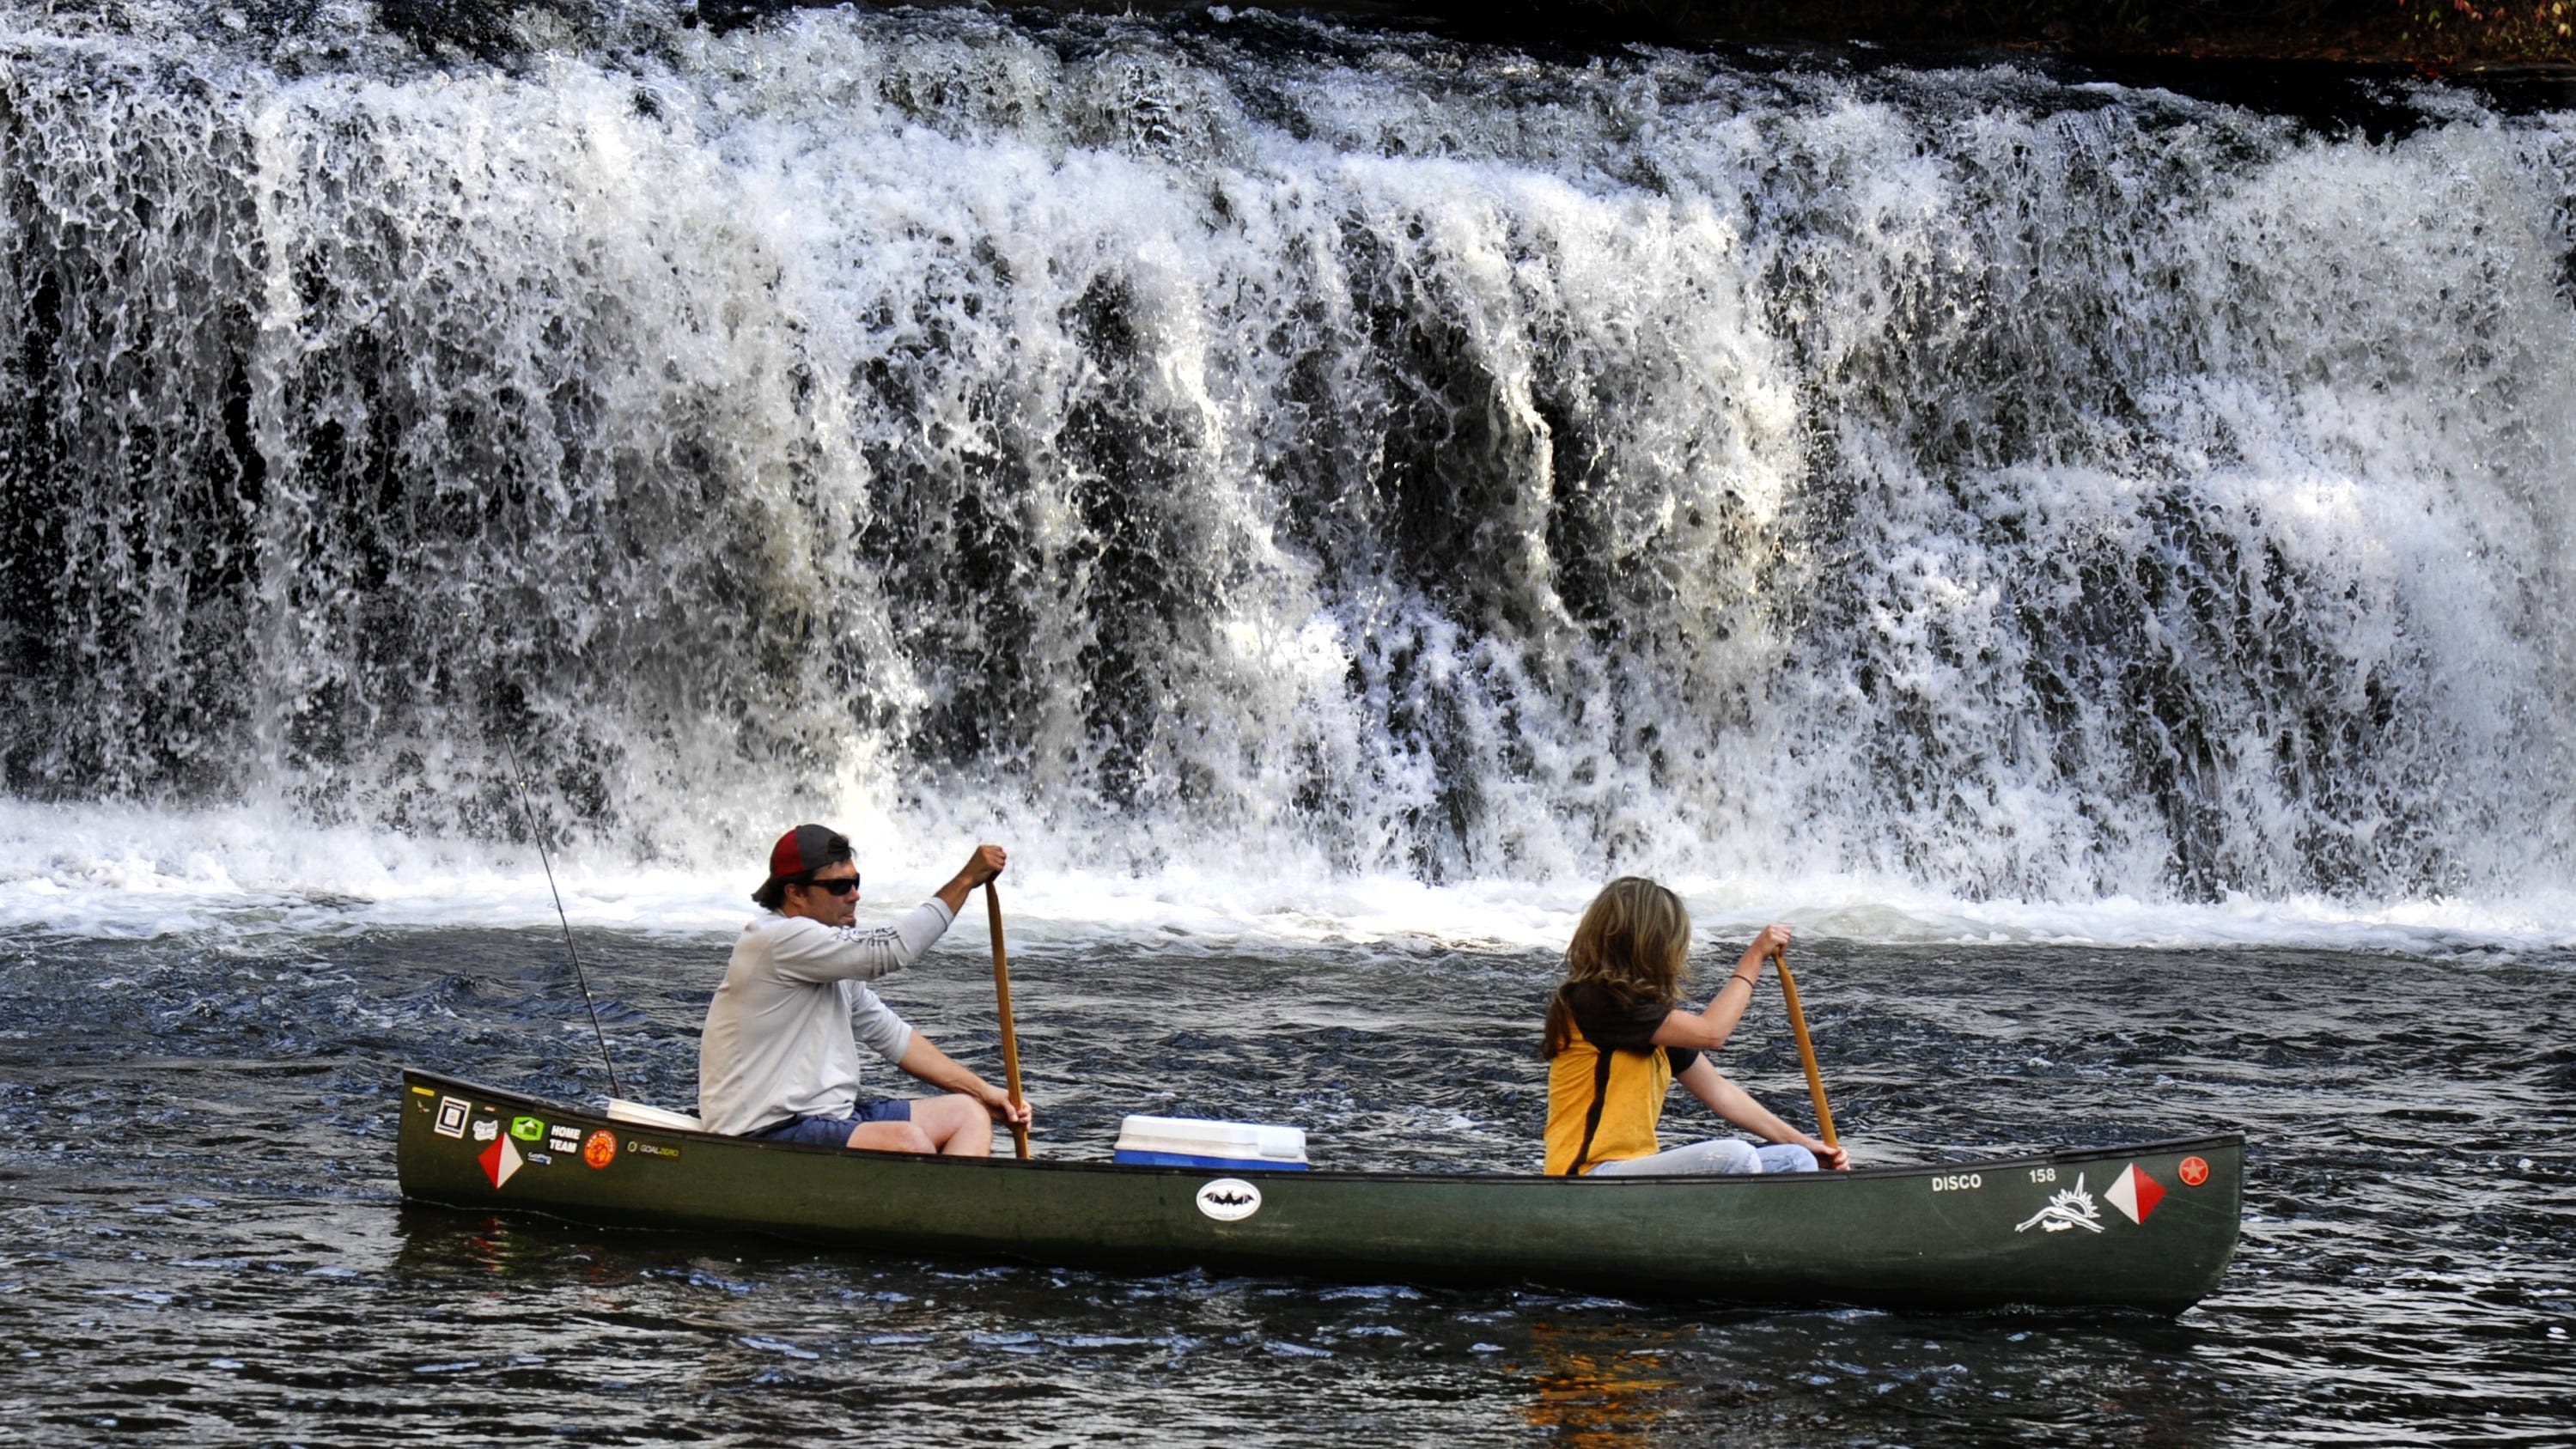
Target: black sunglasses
x=836, y=887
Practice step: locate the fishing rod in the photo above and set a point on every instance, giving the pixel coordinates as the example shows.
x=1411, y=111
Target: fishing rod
x=520, y=778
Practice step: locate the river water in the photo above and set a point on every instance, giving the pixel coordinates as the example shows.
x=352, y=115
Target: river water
x=203, y=1237
x=2092, y=554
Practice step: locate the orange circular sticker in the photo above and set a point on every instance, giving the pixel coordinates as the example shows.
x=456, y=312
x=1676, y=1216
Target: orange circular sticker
x=601, y=1148
x=2194, y=1171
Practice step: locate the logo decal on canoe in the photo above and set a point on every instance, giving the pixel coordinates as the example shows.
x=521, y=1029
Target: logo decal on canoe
x=2070, y=1207
x=499, y=1161
x=560, y=1138
x=527, y=1129
x=486, y=1128
x=1229, y=1199
x=2135, y=1194
x=652, y=1149
x=601, y=1149
x=2194, y=1171
x=452, y=1112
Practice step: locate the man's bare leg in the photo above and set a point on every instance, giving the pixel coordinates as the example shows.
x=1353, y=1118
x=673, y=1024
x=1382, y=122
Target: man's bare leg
x=891, y=1137
x=958, y=1125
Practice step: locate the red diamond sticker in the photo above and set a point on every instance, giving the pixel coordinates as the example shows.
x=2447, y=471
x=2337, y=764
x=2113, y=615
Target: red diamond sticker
x=2135, y=1194
x=499, y=1160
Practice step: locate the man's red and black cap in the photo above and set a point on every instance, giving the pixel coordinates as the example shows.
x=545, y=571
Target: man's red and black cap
x=806, y=849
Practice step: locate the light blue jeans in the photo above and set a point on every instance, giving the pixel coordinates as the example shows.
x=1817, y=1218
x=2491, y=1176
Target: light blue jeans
x=1718, y=1154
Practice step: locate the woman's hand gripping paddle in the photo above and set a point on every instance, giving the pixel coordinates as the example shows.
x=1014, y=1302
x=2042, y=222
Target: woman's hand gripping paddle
x=1011, y=1039
x=1797, y=1025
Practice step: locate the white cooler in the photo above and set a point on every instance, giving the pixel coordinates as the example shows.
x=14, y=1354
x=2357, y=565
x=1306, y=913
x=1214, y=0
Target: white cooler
x=1192, y=1142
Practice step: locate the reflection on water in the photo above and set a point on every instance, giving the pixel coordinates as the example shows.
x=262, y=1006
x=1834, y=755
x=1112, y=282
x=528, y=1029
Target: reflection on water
x=1596, y=1390
x=199, y=1230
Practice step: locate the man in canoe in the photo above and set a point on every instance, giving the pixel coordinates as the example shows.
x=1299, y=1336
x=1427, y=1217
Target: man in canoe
x=780, y=1055
x=1617, y=1040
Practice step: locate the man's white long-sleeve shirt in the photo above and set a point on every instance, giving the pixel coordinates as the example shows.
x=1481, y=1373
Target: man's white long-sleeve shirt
x=783, y=1033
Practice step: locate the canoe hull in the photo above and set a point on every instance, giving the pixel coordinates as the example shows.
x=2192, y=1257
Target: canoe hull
x=2148, y=1227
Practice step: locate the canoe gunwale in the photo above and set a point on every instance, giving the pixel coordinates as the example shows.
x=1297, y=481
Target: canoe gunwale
x=2049, y=1157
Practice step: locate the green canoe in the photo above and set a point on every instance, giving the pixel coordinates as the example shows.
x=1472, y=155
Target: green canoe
x=2146, y=1227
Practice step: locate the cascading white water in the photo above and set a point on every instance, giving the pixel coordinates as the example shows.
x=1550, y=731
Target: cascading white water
x=1242, y=448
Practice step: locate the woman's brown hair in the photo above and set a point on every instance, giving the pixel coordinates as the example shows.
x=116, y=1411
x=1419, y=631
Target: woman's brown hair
x=1634, y=939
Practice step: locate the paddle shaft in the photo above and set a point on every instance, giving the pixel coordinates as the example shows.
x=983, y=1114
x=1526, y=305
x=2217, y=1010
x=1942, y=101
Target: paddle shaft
x=1011, y=1038
x=1797, y=1026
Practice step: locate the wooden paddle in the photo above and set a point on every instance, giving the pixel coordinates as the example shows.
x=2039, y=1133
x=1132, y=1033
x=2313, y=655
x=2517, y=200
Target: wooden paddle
x=1797, y=1025
x=1011, y=1038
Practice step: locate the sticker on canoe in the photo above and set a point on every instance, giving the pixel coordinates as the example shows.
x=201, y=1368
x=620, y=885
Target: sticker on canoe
x=652, y=1149
x=2135, y=1194
x=1229, y=1199
x=563, y=1139
x=527, y=1129
x=422, y=1092
x=601, y=1149
x=500, y=1160
x=452, y=1112
x=2194, y=1171
x=486, y=1128
x=2068, y=1207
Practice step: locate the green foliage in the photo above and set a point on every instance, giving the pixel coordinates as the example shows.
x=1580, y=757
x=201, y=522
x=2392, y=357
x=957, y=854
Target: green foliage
x=2495, y=30
x=2434, y=35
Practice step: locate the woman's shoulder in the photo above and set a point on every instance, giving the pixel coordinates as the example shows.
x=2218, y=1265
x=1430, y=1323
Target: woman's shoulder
x=1610, y=995
x=1611, y=1016
x=1586, y=993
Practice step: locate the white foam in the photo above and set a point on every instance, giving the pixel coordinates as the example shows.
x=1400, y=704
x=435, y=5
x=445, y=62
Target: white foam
x=234, y=875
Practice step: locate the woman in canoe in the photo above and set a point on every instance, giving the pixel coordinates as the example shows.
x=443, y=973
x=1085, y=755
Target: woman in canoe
x=1617, y=1040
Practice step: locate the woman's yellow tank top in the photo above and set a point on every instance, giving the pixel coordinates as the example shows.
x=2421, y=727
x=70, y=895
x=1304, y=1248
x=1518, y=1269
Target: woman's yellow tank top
x=1602, y=1106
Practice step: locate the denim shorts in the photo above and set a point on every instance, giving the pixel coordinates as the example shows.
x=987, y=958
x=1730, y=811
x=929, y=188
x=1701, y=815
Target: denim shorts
x=835, y=1131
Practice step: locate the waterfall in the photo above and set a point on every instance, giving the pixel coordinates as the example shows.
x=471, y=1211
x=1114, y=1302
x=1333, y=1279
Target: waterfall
x=1329, y=452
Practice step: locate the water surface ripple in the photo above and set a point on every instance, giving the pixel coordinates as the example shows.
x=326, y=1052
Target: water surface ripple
x=200, y=1233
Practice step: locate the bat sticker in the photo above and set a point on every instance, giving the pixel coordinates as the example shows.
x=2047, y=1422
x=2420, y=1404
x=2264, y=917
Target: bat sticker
x=1229, y=1199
